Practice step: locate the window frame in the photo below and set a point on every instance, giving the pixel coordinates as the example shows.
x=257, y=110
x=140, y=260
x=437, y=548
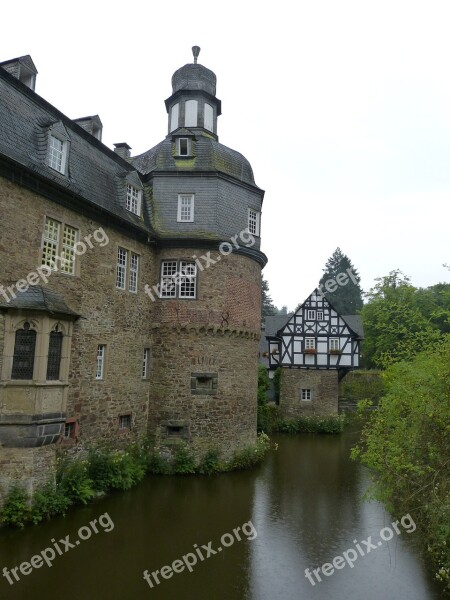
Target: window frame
x=100, y=368
x=32, y=355
x=188, y=147
x=125, y=415
x=308, y=345
x=320, y=312
x=134, y=198
x=191, y=198
x=55, y=332
x=146, y=363
x=334, y=342
x=61, y=248
x=177, y=277
x=63, y=151
x=253, y=222
x=306, y=394
x=133, y=273
x=311, y=314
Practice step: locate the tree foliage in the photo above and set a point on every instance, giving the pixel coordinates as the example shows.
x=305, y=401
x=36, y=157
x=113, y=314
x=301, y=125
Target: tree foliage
x=267, y=307
x=401, y=320
x=406, y=444
x=346, y=298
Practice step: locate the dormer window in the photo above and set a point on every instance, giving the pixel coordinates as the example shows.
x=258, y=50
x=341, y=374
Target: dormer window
x=184, y=146
x=57, y=153
x=134, y=199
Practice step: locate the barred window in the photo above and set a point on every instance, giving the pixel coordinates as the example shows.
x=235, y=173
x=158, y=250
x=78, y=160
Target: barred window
x=24, y=352
x=57, y=252
x=134, y=196
x=134, y=267
x=125, y=421
x=121, y=270
x=178, y=279
x=54, y=355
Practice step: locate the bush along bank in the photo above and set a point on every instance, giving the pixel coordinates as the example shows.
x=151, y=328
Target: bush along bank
x=104, y=470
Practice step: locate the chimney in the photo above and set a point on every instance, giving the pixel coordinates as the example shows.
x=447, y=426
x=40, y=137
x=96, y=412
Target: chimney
x=23, y=69
x=92, y=125
x=122, y=149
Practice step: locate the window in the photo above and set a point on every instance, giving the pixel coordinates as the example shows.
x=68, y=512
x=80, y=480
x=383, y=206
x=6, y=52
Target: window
x=334, y=344
x=176, y=431
x=57, y=249
x=134, y=197
x=185, y=208
x=145, y=363
x=204, y=383
x=70, y=429
x=125, y=421
x=121, y=268
x=184, y=146
x=253, y=221
x=311, y=314
x=190, y=117
x=54, y=355
x=174, y=117
x=24, y=351
x=134, y=268
x=310, y=343
x=306, y=394
x=320, y=315
x=57, y=152
x=101, y=355
x=178, y=279
x=209, y=117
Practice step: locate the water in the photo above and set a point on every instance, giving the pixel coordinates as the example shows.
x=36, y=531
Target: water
x=304, y=502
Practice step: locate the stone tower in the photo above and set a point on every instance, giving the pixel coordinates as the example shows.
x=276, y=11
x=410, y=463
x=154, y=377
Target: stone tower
x=205, y=209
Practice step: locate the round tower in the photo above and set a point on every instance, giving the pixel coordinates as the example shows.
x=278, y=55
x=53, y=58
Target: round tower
x=205, y=309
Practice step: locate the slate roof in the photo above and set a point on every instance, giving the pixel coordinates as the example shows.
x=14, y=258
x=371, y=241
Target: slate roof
x=355, y=323
x=40, y=299
x=95, y=173
x=209, y=154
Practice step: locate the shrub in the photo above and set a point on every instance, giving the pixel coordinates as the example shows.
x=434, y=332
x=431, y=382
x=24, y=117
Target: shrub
x=16, y=510
x=313, y=424
x=252, y=455
x=268, y=418
x=74, y=482
x=48, y=502
x=277, y=383
x=210, y=463
x=263, y=385
x=158, y=465
x=183, y=460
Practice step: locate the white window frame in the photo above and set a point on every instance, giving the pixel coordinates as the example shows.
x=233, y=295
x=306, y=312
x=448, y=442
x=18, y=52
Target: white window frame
x=208, y=117
x=334, y=344
x=145, y=363
x=134, y=199
x=310, y=343
x=320, y=315
x=178, y=279
x=188, y=146
x=185, y=212
x=133, y=273
x=310, y=315
x=254, y=221
x=57, y=156
x=101, y=359
x=58, y=251
x=306, y=394
x=121, y=268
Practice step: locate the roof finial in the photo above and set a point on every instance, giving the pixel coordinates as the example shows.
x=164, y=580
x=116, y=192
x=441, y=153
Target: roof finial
x=195, y=52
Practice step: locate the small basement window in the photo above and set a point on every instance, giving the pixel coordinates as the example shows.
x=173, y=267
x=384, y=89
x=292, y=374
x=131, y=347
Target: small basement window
x=125, y=421
x=175, y=431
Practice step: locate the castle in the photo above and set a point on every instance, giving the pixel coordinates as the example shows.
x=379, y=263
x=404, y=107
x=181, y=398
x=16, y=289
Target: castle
x=130, y=287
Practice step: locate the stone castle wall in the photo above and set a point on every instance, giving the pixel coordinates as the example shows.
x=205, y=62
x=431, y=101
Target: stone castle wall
x=324, y=389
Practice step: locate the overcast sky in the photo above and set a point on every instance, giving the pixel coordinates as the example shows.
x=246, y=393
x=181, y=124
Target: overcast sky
x=342, y=108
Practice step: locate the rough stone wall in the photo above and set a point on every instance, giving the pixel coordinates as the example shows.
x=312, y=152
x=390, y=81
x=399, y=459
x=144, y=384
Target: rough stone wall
x=323, y=385
x=29, y=467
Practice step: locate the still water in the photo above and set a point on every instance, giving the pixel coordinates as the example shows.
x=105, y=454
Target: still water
x=304, y=503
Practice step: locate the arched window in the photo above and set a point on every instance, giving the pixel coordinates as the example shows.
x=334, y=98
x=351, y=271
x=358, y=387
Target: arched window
x=24, y=351
x=54, y=354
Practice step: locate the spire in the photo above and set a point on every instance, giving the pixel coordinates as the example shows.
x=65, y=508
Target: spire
x=195, y=52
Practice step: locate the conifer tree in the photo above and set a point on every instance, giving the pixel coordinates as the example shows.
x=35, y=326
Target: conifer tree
x=347, y=298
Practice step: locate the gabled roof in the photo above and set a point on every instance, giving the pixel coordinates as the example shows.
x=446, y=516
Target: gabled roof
x=355, y=323
x=39, y=298
x=274, y=323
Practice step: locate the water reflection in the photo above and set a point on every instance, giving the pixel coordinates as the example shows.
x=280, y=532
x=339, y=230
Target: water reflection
x=305, y=502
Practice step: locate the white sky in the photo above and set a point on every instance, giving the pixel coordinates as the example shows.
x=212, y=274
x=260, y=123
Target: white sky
x=342, y=108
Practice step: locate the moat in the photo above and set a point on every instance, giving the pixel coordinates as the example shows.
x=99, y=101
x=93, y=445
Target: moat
x=305, y=503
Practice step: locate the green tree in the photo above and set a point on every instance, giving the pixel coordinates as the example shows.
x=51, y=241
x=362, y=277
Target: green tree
x=267, y=307
x=395, y=327
x=347, y=298
x=406, y=442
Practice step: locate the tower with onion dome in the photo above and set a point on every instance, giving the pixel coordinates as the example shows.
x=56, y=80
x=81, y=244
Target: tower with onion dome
x=205, y=210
